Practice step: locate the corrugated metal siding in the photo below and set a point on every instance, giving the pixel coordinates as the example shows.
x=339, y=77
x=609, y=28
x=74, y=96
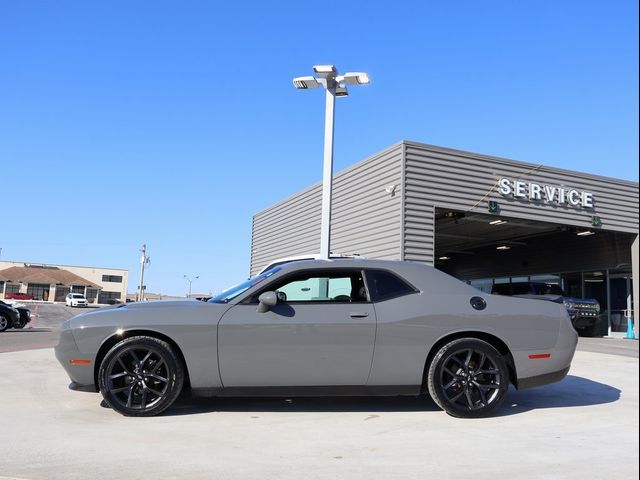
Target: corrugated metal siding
x=365, y=218
x=419, y=225
x=446, y=178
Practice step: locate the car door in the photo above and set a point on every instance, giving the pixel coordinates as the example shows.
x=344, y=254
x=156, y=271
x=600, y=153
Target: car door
x=321, y=332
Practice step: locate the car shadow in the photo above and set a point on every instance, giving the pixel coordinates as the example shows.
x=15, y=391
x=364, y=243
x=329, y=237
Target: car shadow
x=573, y=391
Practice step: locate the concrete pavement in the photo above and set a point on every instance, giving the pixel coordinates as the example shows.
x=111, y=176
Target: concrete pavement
x=583, y=427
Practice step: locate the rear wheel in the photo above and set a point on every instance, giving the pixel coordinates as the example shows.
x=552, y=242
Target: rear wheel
x=141, y=376
x=5, y=322
x=468, y=378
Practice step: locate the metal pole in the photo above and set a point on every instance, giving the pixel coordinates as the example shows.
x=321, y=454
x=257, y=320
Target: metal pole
x=143, y=260
x=327, y=171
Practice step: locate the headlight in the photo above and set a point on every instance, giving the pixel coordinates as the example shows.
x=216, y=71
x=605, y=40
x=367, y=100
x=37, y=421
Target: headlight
x=598, y=307
x=568, y=304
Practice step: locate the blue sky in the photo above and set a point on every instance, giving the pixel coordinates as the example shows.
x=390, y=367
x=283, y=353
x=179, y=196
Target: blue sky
x=172, y=123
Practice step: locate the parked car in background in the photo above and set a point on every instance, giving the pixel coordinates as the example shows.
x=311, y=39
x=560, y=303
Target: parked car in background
x=583, y=312
x=13, y=317
x=76, y=300
x=25, y=316
x=18, y=296
x=322, y=327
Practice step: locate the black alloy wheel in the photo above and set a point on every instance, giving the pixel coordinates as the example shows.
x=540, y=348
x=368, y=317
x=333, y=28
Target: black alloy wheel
x=468, y=378
x=141, y=376
x=5, y=322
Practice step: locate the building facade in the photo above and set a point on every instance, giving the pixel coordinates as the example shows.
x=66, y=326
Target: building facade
x=483, y=219
x=52, y=283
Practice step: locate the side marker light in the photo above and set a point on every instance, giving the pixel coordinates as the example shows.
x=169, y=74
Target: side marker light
x=79, y=361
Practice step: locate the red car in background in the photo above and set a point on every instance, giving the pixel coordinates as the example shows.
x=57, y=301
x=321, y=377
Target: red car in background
x=18, y=296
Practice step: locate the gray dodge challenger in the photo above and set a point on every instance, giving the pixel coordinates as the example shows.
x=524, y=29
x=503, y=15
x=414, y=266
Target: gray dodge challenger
x=322, y=327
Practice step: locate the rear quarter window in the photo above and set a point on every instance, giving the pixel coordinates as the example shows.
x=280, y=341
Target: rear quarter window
x=385, y=285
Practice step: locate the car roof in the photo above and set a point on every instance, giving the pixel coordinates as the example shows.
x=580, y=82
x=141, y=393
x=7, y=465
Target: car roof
x=341, y=262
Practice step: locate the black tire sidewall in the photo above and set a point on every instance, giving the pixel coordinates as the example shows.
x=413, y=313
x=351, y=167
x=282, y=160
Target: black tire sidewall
x=435, y=369
x=8, y=320
x=174, y=365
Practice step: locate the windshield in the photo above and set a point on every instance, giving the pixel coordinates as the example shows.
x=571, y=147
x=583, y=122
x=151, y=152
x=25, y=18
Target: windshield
x=77, y=295
x=231, y=293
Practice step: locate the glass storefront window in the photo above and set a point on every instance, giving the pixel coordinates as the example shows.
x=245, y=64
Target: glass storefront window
x=39, y=291
x=572, y=284
x=620, y=294
x=595, y=286
x=546, y=278
x=482, y=284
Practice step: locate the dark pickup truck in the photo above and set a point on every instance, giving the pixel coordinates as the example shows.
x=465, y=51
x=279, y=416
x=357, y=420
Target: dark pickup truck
x=583, y=312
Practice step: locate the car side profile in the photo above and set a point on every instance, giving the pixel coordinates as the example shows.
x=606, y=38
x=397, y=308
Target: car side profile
x=322, y=327
x=76, y=300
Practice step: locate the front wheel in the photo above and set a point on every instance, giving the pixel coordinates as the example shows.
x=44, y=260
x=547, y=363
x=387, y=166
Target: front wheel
x=141, y=376
x=468, y=378
x=5, y=322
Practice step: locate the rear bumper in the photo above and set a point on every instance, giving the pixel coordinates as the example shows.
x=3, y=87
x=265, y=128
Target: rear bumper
x=543, y=379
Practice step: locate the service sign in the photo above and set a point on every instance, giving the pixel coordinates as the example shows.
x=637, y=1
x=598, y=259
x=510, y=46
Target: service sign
x=545, y=193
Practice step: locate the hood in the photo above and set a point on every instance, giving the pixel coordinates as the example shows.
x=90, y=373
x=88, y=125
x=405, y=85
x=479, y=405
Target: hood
x=145, y=313
x=582, y=300
x=187, y=302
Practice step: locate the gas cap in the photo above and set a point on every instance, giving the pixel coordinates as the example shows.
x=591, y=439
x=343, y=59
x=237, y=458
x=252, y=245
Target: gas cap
x=478, y=303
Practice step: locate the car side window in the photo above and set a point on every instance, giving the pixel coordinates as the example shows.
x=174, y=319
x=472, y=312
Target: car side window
x=385, y=285
x=321, y=286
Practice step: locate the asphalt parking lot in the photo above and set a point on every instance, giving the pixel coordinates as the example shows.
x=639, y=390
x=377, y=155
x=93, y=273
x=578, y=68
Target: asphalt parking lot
x=583, y=427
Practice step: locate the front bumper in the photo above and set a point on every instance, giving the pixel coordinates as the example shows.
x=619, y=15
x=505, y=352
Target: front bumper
x=80, y=374
x=585, y=319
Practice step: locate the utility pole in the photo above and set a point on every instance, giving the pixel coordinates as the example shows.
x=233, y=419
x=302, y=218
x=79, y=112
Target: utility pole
x=144, y=259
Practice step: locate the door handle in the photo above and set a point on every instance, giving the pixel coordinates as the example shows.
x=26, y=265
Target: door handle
x=358, y=314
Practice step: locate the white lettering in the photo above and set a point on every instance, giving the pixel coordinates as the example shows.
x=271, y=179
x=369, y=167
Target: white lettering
x=550, y=193
x=574, y=197
x=534, y=192
x=505, y=186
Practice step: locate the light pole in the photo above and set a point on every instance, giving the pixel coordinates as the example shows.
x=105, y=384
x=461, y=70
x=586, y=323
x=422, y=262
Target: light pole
x=144, y=259
x=191, y=280
x=335, y=85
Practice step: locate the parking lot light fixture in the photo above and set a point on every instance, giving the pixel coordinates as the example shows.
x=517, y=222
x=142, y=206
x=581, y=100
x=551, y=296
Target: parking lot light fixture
x=335, y=85
x=190, y=280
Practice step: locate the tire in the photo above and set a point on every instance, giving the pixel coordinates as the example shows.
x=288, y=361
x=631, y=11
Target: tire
x=468, y=378
x=5, y=322
x=141, y=376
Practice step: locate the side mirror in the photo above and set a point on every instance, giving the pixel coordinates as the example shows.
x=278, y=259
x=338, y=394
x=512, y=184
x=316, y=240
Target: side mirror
x=266, y=301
